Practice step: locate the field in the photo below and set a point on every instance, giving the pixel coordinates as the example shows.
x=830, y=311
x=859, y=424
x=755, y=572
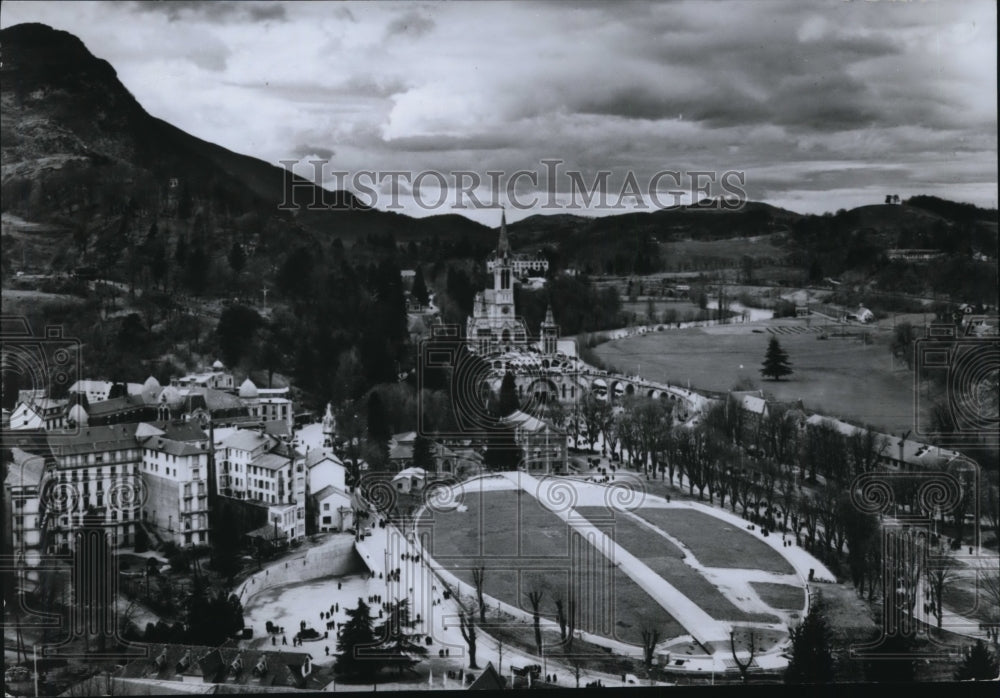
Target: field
x=841, y=377
x=667, y=560
x=714, y=542
x=490, y=532
x=783, y=596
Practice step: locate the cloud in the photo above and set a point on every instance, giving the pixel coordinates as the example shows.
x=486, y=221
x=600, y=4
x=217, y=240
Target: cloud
x=838, y=97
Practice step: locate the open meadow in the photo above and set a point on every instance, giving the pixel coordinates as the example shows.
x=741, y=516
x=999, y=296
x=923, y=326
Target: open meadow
x=840, y=377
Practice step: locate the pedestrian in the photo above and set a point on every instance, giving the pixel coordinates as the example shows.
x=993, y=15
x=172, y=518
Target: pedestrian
x=327, y=650
x=284, y=640
x=274, y=640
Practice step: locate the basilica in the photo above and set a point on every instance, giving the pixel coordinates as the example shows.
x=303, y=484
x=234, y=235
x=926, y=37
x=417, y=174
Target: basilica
x=494, y=326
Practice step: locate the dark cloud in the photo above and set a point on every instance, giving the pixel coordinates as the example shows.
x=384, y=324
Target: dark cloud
x=413, y=24
x=214, y=11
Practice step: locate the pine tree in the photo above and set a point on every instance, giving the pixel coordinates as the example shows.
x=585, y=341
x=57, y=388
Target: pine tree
x=775, y=361
x=357, y=636
x=507, y=402
x=400, y=648
x=420, y=287
x=812, y=660
x=423, y=455
x=979, y=665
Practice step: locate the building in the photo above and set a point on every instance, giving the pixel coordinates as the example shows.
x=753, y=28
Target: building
x=267, y=404
x=99, y=391
x=325, y=470
x=234, y=668
x=97, y=471
x=39, y=413
x=22, y=502
x=543, y=445
x=175, y=472
x=256, y=466
x=217, y=377
x=410, y=480
x=333, y=509
x=494, y=324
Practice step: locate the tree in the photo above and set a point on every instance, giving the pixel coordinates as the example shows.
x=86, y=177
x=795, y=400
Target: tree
x=235, y=332
x=400, y=647
x=356, y=635
x=812, y=658
x=979, y=664
x=903, y=337
x=379, y=429
x=776, y=362
x=423, y=454
x=743, y=666
x=649, y=639
x=468, y=627
x=420, y=287
x=941, y=572
x=535, y=598
x=477, y=580
x=507, y=402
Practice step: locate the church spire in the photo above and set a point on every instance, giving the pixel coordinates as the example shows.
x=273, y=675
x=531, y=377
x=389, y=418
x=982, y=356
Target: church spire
x=503, y=246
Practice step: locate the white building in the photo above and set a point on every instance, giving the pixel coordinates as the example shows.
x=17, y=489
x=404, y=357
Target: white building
x=268, y=404
x=40, y=413
x=175, y=473
x=333, y=508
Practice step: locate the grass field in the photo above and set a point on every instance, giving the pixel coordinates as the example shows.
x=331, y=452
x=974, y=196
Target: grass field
x=667, y=560
x=489, y=532
x=840, y=377
x=781, y=596
x=716, y=543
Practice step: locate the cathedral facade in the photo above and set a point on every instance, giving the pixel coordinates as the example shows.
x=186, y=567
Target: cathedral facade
x=494, y=326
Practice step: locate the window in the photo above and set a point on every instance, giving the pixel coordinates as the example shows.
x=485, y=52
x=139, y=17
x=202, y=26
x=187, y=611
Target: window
x=326, y=506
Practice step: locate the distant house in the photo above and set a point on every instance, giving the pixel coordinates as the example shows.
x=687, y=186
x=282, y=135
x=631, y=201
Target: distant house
x=231, y=668
x=410, y=480
x=40, y=413
x=544, y=445
x=333, y=509
x=489, y=680
x=325, y=470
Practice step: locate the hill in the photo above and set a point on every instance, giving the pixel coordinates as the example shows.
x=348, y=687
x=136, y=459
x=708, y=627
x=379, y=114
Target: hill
x=82, y=155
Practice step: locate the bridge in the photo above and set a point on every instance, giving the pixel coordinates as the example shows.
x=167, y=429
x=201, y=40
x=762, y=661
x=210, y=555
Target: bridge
x=541, y=377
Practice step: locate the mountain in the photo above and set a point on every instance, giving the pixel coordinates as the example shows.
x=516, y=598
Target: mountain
x=81, y=156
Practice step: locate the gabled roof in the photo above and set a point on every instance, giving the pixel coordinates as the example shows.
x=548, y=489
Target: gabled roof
x=315, y=456
x=331, y=491
x=246, y=440
x=489, y=680
x=270, y=461
x=93, y=439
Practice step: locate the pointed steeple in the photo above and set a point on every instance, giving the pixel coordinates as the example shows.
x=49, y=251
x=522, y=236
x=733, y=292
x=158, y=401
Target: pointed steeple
x=503, y=246
x=549, y=319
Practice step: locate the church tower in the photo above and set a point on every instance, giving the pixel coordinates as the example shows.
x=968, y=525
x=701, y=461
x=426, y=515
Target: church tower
x=549, y=333
x=503, y=273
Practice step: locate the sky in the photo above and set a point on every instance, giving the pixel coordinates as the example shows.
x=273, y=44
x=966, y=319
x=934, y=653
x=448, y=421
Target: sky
x=813, y=106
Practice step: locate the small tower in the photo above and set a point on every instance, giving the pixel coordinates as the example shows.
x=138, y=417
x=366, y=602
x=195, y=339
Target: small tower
x=549, y=333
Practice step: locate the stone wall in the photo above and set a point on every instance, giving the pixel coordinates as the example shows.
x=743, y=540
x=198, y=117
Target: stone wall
x=334, y=558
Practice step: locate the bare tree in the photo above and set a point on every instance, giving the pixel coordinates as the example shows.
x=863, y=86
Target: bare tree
x=742, y=665
x=941, y=572
x=477, y=579
x=535, y=598
x=649, y=639
x=561, y=619
x=468, y=627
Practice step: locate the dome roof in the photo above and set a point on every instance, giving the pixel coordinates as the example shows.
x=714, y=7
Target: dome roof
x=218, y=365
x=248, y=389
x=151, y=384
x=78, y=415
x=171, y=395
